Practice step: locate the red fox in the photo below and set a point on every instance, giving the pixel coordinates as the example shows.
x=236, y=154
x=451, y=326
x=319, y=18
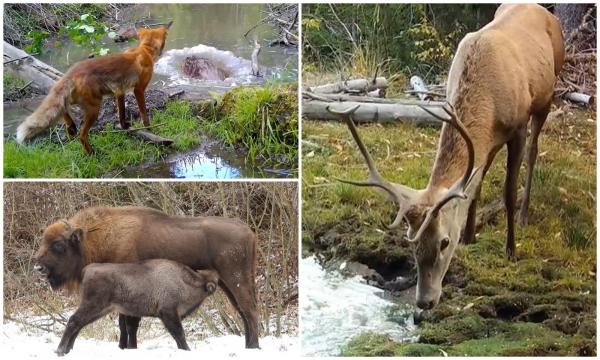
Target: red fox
x=86, y=82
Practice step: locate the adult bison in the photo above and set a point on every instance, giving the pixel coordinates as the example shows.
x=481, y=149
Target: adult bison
x=130, y=234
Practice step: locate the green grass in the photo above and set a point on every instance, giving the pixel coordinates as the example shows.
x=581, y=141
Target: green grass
x=12, y=87
x=262, y=120
x=115, y=150
x=556, y=252
x=11, y=82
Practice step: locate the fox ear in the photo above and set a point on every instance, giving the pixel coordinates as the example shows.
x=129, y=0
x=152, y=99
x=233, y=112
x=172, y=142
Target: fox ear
x=168, y=26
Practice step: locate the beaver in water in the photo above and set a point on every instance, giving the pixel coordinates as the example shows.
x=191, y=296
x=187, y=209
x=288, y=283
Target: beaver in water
x=202, y=69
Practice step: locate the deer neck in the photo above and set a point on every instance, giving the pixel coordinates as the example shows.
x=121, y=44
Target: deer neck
x=452, y=157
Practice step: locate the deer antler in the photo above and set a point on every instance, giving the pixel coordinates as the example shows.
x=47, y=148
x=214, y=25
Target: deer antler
x=399, y=194
x=458, y=189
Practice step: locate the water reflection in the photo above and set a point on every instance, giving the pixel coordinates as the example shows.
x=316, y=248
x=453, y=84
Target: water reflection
x=201, y=165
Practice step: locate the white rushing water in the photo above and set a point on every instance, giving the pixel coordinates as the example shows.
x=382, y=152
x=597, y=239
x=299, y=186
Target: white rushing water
x=334, y=309
x=171, y=63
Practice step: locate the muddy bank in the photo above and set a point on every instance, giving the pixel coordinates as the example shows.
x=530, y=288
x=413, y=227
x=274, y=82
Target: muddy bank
x=15, y=112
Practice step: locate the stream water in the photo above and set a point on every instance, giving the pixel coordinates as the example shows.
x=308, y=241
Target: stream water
x=211, y=31
x=334, y=309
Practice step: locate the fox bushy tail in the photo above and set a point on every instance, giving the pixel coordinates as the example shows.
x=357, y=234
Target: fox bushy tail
x=48, y=113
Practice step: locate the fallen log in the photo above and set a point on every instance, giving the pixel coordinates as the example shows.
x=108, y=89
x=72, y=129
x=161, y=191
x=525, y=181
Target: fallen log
x=351, y=86
x=28, y=68
x=370, y=112
x=579, y=98
x=377, y=93
x=364, y=99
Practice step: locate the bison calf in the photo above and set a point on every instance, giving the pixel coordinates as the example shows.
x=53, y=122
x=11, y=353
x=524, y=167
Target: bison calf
x=159, y=288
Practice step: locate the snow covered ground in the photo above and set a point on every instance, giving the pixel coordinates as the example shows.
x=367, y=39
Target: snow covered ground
x=20, y=343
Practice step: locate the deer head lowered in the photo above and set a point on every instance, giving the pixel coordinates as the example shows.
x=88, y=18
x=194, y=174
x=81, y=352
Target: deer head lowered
x=432, y=218
x=501, y=76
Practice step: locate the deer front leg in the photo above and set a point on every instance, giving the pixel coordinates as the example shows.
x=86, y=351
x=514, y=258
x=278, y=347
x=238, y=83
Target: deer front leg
x=469, y=231
x=515, y=149
x=537, y=122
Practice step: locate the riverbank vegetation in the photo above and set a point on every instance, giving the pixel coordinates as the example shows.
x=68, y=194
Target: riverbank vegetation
x=24, y=23
x=261, y=120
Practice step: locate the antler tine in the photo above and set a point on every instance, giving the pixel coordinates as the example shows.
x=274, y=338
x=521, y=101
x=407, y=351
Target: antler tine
x=375, y=178
x=374, y=175
x=457, y=190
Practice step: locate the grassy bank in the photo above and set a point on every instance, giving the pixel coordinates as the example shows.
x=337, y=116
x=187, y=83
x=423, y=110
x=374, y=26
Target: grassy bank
x=51, y=158
x=263, y=121
x=542, y=304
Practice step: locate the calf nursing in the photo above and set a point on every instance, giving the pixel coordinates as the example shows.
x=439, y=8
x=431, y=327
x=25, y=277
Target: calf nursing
x=501, y=77
x=158, y=288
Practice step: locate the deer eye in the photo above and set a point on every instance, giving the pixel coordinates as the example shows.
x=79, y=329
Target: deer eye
x=444, y=244
x=58, y=247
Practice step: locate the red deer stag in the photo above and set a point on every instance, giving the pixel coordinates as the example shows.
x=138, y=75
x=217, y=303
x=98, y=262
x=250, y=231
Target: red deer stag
x=501, y=76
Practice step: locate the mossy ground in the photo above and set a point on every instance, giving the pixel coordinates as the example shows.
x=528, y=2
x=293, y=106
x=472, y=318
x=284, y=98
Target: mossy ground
x=542, y=304
x=262, y=120
x=57, y=157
